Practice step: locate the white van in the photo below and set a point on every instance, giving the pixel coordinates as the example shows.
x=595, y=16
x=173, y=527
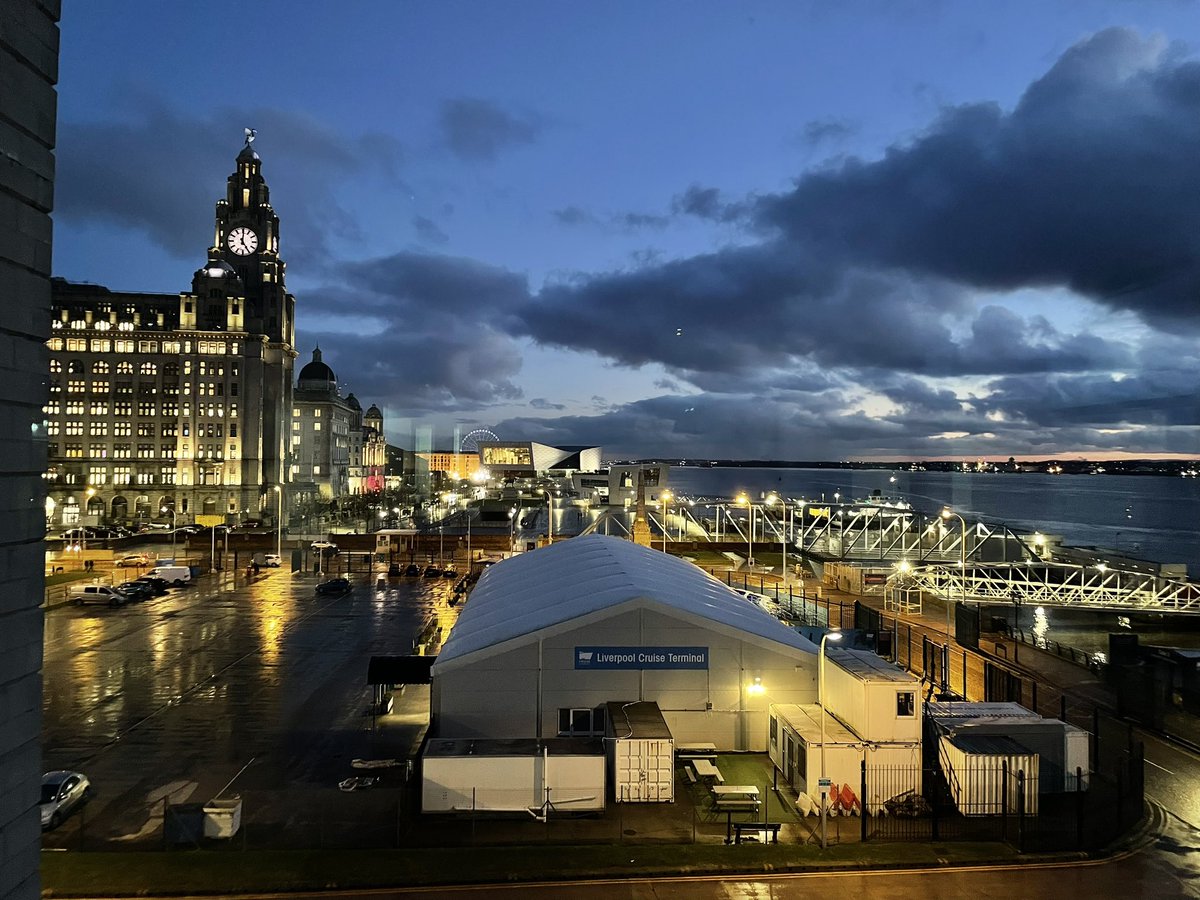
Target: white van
x=176, y=575
x=97, y=593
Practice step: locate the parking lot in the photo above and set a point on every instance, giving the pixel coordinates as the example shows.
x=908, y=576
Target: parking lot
x=255, y=681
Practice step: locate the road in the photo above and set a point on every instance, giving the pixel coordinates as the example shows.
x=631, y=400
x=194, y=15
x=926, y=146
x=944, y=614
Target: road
x=172, y=697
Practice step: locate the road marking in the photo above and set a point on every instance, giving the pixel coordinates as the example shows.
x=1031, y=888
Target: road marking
x=1157, y=766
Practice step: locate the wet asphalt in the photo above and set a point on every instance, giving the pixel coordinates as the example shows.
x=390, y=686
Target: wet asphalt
x=255, y=681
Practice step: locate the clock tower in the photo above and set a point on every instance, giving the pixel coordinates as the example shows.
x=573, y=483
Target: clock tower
x=241, y=291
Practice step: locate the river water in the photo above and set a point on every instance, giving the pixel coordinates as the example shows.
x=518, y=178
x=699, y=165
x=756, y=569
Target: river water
x=1147, y=517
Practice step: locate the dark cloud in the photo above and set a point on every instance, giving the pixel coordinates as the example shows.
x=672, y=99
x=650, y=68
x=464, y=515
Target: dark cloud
x=432, y=342
x=158, y=172
x=706, y=203
x=575, y=216
x=1090, y=183
x=826, y=131
x=478, y=130
x=543, y=403
x=428, y=231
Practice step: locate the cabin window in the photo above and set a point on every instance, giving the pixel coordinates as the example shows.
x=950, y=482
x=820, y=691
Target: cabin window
x=906, y=704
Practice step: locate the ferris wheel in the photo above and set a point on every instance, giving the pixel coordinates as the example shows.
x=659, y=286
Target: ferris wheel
x=470, y=441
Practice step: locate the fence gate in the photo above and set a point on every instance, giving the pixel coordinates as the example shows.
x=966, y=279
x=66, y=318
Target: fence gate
x=1000, y=685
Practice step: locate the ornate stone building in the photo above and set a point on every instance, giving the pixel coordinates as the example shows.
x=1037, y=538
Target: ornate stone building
x=177, y=402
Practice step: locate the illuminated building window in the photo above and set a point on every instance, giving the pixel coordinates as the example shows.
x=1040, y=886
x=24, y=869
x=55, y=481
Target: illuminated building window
x=170, y=347
x=148, y=368
x=73, y=427
x=101, y=346
x=98, y=475
x=122, y=429
x=99, y=367
x=98, y=451
x=124, y=346
x=78, y=345
x=147, y=346
x=101, y=387
x=122, y=451
x=98, y=428
x=55, y=344
x=124, y=368
x=121, y=474
x=73, y=451
x=98, y=408
x=75, y=387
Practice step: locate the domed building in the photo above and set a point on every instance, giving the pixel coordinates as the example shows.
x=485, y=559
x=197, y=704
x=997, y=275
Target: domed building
x=322, y=422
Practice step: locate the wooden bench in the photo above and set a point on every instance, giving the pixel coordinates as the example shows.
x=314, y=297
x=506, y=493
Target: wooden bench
x=746, y=829
x=691, y=776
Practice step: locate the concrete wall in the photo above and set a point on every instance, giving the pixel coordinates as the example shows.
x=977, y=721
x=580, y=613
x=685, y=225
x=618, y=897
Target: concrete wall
x=497, y=696
x=28, y=109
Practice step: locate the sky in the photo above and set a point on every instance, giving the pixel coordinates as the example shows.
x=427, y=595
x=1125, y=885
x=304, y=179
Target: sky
x=754, y=230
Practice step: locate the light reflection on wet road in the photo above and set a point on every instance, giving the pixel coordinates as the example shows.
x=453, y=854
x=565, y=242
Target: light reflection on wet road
x=178, y=693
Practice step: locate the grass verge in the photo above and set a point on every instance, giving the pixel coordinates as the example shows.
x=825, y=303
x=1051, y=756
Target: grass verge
x=233, y=871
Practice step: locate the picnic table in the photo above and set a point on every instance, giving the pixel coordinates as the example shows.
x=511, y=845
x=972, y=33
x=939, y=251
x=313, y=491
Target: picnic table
x=701, y=750
x=706, y=769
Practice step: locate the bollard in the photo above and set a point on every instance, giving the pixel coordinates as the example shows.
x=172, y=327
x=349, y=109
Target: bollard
x=1004, y=794
x=862, y=800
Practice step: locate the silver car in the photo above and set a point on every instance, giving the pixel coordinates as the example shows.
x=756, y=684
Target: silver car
x=61, y=793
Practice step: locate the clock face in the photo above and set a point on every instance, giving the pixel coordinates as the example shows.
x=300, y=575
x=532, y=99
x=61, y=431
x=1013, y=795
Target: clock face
x=243, y=241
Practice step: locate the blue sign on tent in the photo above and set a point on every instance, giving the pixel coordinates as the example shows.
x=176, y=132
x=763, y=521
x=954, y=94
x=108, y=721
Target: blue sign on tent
x=641, y=657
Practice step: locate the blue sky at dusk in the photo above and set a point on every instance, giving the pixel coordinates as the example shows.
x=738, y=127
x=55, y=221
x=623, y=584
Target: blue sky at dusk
x=756, y=230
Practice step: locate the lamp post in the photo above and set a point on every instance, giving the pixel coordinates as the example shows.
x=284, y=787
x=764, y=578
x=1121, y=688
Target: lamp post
x=665, y=497
x=743, y=500
x=549, y=512
x=171, y=510
x=279, y=525
x=468, y=512
x=512, y=530
x=827, y=636
x=947, y=514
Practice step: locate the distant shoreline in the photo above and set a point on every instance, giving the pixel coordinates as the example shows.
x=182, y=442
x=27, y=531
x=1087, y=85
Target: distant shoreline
x=1155, y=467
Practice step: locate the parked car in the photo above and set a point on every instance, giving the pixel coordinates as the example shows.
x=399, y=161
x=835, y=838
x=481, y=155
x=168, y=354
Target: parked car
x=449, y=572
x=272, y=560
x=136, y=591
x=62, y=792
x=324, y=546
x=97, y=593
x=394, y=570
x=134, y=559
x=432, y=571
x=157, y=585
x=412, y=569
x=334, y=587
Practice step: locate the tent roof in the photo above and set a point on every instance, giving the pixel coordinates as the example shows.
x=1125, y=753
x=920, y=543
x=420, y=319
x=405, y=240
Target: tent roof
x=588, y=575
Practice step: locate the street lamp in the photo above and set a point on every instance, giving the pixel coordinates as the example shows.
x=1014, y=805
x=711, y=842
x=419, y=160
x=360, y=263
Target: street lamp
x=171, y=510
x=827, y=636
x=783, y=535
x=549, y=511
x=279, y=525
x=512, y=530
x=948, y=514
x=743, y=500
x=665, y=497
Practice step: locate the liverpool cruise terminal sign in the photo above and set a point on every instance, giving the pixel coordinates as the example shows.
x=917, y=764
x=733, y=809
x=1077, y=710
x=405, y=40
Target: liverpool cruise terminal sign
x=641, y=657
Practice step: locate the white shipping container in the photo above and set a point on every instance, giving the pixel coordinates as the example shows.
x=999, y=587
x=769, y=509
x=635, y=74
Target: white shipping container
x=494, y=783
x=974, y=768
x=643, y=770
